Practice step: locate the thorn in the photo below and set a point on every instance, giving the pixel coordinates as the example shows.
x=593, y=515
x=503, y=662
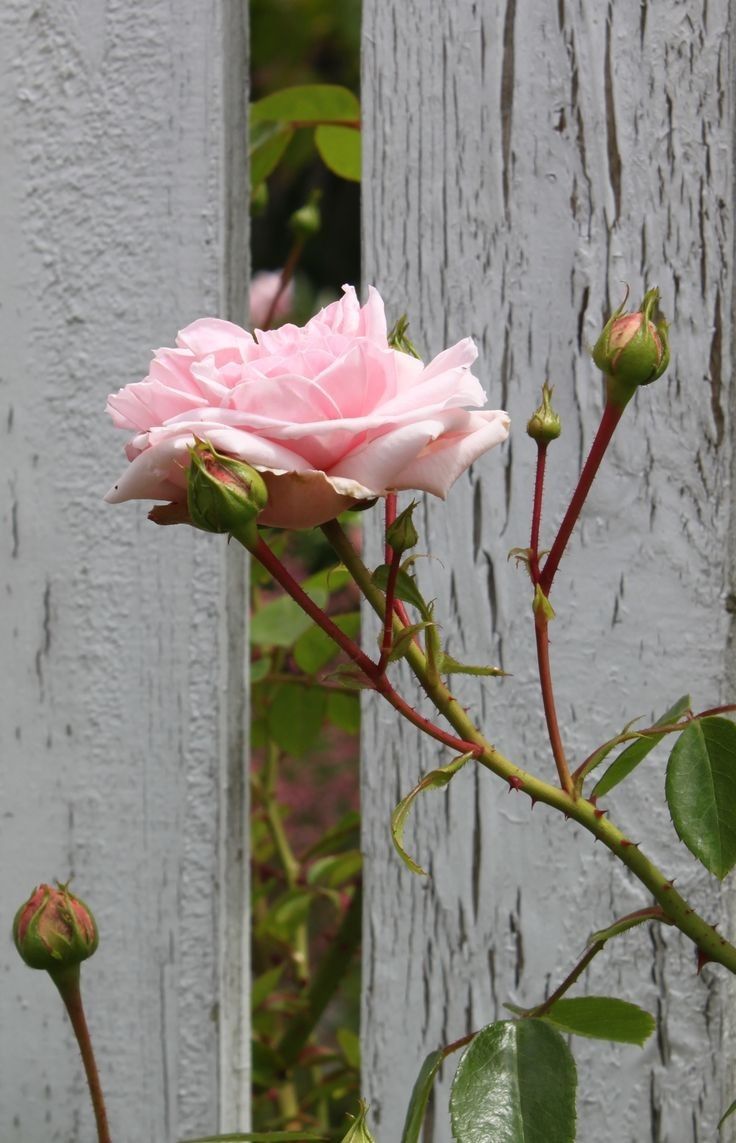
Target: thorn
x=625, y=842
x=598, y=814
x=703, y=959
x=515, y=783
x=533, y=801
x=667, y=885
x=593, y=799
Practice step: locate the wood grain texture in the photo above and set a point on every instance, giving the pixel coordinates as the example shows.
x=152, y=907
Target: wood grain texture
x=123, y=701
x=523, y=160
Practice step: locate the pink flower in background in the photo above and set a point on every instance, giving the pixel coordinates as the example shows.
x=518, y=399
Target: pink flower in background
x=329, y=413
x=263, y=289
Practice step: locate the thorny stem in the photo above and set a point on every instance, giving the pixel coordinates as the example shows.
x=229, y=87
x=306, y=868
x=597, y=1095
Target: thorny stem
x=610, y=418
x=388, y=626
x=585, y=813
x=541, y=633
x=391, y=510
x=377, y=680
x=67, y=982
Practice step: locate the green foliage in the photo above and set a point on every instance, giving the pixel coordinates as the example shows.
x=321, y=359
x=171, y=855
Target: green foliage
x=637, y=751
x=435, y=780
x=602, y=1018
x=262, y=1137
x=701, y=792
x=420, y=1097
x=407, y=588
x=515, y=1084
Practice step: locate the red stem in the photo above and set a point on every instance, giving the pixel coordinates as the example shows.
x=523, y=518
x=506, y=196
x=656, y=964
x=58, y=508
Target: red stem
x=541, y=631
x=388, y=620
x=609, y=420
x=286, y=275
x=378, y=680
x=391, y=512
x=537, y=511
x=68, y=986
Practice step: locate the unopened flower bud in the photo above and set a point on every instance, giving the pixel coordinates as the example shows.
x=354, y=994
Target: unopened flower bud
x=632, y=350
x=545, y=425
x=306, y=221
x=224, y=494
x=401, y=534
x=358, y=1131
x=54, y=930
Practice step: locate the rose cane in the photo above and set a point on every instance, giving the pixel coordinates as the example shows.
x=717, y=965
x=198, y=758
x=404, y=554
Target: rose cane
x=55, y=931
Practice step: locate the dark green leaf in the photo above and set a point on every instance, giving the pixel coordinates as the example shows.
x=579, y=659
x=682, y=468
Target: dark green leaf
x=449, y=666
x=406, y=587
x=265, y=984
x=343, y=710
x=349, y=1046
x=701, y=792
x=268, y=141
x=314, y=649
x=436, y=779
x=637, y=751
x=729, y=1111
x=262, y=1137
x=340, y=150
x=295, y=717
x=345, y=835
x=420, y=1097
x=515, y=1084
x=310, y=103
x=259, y=668
x=602, y=1018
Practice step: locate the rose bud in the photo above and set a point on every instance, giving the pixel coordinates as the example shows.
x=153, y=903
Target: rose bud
x=401, y=534
x=632, y=350
x=224, y=494
x=54, y=930
x=545, y=425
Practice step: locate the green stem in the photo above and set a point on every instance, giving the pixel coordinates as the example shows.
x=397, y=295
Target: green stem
x=585, y=813
x=332, y=969
x=67, y=982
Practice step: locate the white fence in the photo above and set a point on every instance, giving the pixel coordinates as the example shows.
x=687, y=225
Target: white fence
x=522, y=161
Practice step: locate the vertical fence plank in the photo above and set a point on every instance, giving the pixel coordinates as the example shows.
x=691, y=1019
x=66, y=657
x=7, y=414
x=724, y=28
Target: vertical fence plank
x=123, y=699
x=523, y=161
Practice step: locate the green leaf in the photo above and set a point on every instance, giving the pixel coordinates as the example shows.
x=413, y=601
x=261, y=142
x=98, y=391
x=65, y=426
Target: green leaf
x=268, y=141
x=335, y=871
x=701, y=792
x=314, y=649
x=346, y=834
x=637, y=751
x=349, y=1046
x=515, y=1084
x=420, y=1097
x=449, y=666
x=295, y=717
x=340, y=150
x=280, y=622
x=436, y=779
x=343, y=710
x=358, y=1131
x=729, y=1111
x=406, y=588
x=259, y=668
x=265, y=984
x=310, y=103
x=403, y=641
x=602, y=1018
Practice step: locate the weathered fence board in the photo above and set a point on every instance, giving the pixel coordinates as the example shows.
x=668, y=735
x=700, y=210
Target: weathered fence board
x=122, y=705
x=522, y=161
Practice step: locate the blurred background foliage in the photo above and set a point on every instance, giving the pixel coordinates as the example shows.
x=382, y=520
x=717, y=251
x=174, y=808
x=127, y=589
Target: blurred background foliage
x=306, y=898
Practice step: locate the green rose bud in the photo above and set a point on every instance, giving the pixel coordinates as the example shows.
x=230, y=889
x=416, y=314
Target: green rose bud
x=54, y=930
x=545, y=425
x=224, y=494
x=632, y=350
x=402, y=534
x=358, y=1131
x=306, y=221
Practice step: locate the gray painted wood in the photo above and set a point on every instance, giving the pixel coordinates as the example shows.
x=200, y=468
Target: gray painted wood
x=123, y=703
x=522, y=161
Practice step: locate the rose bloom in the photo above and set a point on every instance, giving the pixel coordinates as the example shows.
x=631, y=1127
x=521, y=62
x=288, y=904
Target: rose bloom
x=263, y=288
x=329, y=413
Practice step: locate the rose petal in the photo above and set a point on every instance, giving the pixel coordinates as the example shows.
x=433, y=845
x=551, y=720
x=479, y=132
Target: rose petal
x=438, y=466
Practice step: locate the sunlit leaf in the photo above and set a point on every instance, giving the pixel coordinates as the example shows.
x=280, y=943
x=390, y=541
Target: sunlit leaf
x=420, y=1097
x=336, y=870
x=515, y=1084
x=637, y=751
x=602, y=1018
x=339, y=148
x=267, y=146
x=310, y=103
x=701, y=792
x=262, y=1137
x=280, y=622
x=449, y=666
x=406, y=587
x=436, y=779
x=349, y=1046
x=295, y=717
x=314, y=649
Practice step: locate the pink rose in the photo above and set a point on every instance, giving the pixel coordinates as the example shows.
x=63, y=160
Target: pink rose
x=263, y=288
x=328, y=413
